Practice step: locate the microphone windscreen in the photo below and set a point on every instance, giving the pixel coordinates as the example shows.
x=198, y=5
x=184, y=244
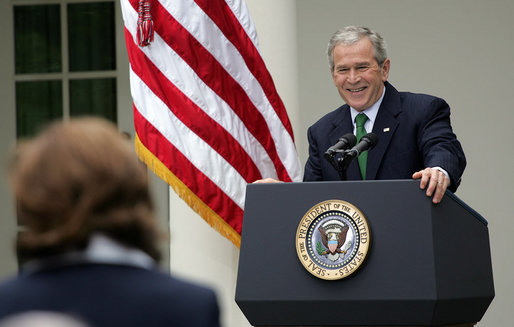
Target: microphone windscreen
x=352, y=139
x=372, y=139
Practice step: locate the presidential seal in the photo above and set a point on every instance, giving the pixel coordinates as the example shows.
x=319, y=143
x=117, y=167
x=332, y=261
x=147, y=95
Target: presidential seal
x=332, y=239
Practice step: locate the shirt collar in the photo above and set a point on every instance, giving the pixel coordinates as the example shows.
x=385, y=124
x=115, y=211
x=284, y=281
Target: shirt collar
x=101, y=249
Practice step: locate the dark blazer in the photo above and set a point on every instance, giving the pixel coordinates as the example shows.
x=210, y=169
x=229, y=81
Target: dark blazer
x=413, y=130
x=108, y=295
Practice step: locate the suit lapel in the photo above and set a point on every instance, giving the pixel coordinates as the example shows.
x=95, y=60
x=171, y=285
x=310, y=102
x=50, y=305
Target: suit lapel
x=384, y=127
x=341, y=125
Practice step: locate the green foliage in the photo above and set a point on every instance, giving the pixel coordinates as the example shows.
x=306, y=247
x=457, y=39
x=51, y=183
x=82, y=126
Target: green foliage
x=320, y=248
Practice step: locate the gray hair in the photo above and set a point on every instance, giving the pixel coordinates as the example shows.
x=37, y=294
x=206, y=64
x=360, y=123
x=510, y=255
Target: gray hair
x=352, y=34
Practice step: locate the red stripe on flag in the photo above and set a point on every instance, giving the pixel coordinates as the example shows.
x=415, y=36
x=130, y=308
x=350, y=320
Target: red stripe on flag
x=192, y=116
x=194, y=179
x=215, y=76
x=224, y=18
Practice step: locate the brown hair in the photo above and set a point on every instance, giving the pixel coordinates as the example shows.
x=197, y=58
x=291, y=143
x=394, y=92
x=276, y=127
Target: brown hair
x=77, y=178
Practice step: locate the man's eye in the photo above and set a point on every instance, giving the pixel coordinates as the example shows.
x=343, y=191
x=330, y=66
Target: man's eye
x=362, y=68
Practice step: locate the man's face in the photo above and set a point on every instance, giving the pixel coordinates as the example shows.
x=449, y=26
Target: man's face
x=357, y=76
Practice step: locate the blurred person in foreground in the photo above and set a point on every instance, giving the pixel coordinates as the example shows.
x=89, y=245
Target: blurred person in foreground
x=415, y=137
x=89, y=237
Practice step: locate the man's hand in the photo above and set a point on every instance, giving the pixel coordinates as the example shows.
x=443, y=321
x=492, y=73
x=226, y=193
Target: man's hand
x=266, y=180
x=436, y=181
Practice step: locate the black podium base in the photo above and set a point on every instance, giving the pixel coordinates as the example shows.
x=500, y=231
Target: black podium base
x=428, y=265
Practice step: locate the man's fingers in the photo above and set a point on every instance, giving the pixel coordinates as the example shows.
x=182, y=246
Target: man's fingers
x=434, y=181
x=266, y=180
x=425, y=176
x=442, y=185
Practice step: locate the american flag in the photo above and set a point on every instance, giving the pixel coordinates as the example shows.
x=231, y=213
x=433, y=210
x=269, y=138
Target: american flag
x=207, y=116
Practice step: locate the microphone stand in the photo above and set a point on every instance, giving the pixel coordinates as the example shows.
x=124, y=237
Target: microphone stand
x=340, y=163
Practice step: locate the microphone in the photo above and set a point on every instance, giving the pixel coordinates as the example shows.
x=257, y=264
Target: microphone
x=366, y=143
x=346, y=141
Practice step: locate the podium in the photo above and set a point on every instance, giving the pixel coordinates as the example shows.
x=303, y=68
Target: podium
x=427, y=265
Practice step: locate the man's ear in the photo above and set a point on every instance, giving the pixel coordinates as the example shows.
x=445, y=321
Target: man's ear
x=385, y=69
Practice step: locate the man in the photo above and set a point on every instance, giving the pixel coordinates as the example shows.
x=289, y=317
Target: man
x=89, y=237
x=415, y=138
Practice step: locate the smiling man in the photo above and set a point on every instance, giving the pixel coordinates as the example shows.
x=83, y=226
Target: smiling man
x=415, y=137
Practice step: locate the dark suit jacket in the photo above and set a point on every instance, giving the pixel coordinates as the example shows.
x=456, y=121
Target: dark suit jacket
x=413, y=130
x=108, y=295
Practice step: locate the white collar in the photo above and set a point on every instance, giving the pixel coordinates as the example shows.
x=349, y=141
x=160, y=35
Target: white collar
x=101, y=249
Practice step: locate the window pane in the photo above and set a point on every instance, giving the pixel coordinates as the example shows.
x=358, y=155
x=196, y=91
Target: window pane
x=91, y=36
x=37, y=31
x=37, y=103
x=96, y=97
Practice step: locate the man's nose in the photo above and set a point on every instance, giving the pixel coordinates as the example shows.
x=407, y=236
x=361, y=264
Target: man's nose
x=353, y=76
